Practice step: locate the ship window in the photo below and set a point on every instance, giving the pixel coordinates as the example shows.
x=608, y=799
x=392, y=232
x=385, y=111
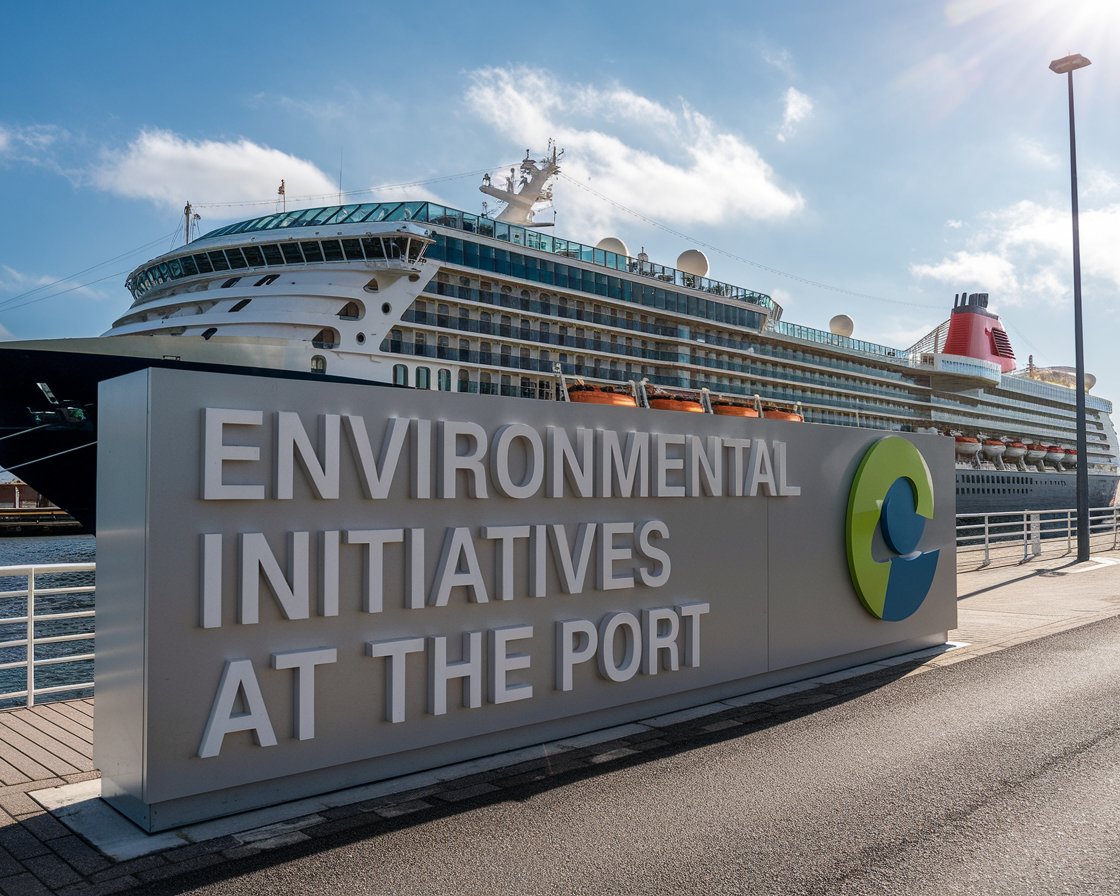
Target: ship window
x=353, y=250
x=318, y=364
x=236, y=259
x=375, y=250
x=332, y=250
x=326, y=338
x=240, y=305
x=204, y=265
x=253, y=255
x=272, y=254
x=464, y=381
x=312, y=251
x=423, y=378
x=372, y=285
x=292, y=253
x=443, y=379
x=351, y=311
x=264, y=281
x=400, y=375
x=230, y=282
x=206, y=334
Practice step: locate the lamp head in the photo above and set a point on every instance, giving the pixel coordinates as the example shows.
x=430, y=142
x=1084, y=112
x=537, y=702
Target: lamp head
x=1068, y=64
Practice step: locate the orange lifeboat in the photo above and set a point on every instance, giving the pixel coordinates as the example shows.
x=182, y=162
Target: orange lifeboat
x=672, y=401
x=1015, y=450
x=967, y=446
x=1071, y=457
x=994, y=447
x=1055, y=453
x=727, y=407
x=779, y=414
x=1035, y=452
x=615, y=396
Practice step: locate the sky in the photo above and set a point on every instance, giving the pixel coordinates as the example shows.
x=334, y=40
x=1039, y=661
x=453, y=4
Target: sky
x=865, y=157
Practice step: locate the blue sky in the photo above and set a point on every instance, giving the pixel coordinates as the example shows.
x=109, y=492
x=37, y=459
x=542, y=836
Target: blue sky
x=865, y=157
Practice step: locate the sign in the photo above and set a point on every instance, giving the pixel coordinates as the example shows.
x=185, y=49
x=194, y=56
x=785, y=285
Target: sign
x=304, y=586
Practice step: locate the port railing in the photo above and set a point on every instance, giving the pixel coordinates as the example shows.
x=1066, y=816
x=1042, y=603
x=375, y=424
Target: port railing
x=47, y=611
x=987, y=538
x=46, y=632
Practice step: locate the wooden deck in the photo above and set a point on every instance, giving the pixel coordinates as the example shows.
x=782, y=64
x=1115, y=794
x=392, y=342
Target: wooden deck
x=47, y=745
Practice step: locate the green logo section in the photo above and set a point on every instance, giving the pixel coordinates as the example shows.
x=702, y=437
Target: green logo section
x=892, y=492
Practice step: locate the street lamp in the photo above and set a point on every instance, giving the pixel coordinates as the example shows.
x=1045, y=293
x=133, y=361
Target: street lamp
x=1066, y=66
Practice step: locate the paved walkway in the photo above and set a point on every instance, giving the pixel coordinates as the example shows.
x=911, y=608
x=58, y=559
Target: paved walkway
x=49, y=746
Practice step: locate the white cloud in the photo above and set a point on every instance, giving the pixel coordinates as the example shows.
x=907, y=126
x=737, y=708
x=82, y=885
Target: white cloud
x=669, y=164
x=1022, y=254
x=989, y=270
x=782, y=60
x=798, y=108
x=12, y=280
x=1033, y=152
x=954, y=224
x=30, y=143
x=168, y=169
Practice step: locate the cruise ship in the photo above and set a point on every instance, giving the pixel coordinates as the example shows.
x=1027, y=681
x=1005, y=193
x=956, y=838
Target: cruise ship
x=419, y=295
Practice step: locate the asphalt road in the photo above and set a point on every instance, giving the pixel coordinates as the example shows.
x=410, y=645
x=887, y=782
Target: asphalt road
x=996, y=775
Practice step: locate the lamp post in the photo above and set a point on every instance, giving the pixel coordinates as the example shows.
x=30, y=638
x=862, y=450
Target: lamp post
x=1067, y=66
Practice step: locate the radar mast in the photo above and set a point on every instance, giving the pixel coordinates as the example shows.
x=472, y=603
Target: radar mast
x=522, y=193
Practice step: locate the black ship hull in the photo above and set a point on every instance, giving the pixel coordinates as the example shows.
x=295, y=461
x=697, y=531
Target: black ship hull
x=48, y=416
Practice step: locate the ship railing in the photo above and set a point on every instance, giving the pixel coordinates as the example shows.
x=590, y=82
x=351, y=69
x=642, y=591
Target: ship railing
x=1020, y=537
x=46, y=632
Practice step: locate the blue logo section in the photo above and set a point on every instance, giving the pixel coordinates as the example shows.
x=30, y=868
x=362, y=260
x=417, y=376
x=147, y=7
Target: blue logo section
x=892, y=494
x=911, y=571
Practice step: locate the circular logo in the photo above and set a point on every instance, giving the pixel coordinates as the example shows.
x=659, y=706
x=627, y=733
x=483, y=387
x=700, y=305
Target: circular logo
x=892, y=493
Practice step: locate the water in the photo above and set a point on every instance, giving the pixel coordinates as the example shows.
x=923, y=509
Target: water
x=46, y=550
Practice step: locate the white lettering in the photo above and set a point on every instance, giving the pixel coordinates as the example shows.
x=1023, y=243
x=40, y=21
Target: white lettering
x=238, y=679
x=215, y=452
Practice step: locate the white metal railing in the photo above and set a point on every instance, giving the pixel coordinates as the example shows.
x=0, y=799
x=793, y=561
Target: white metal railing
x=50, y=608
x=1025, y=535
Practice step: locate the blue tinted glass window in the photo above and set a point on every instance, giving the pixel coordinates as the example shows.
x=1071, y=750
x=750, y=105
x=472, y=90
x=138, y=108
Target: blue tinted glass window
x=323, y=215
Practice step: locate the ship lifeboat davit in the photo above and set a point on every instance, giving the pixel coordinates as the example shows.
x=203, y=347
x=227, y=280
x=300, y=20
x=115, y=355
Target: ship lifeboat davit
x=993, y=448
x=780, y=414
x=725, y=407
x=1035, y=452
x=669, y=401
x=967, y=446
x=1055, y=453
x=1015, y=450
x=615, y=396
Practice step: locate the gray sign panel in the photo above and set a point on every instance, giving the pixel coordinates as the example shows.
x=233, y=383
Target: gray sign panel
x=304, y=586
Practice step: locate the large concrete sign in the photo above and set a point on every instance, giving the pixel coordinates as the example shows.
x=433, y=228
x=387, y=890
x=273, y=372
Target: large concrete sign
x=304, y=586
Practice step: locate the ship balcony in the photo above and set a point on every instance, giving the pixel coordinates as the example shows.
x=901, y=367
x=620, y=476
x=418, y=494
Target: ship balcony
x=957, y=373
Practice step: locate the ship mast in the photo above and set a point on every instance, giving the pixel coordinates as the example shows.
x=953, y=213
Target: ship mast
x=191, y=221
x=532, y=187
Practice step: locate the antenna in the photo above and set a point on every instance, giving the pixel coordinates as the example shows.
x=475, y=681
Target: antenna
x=191, y=221
x=282, y=197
